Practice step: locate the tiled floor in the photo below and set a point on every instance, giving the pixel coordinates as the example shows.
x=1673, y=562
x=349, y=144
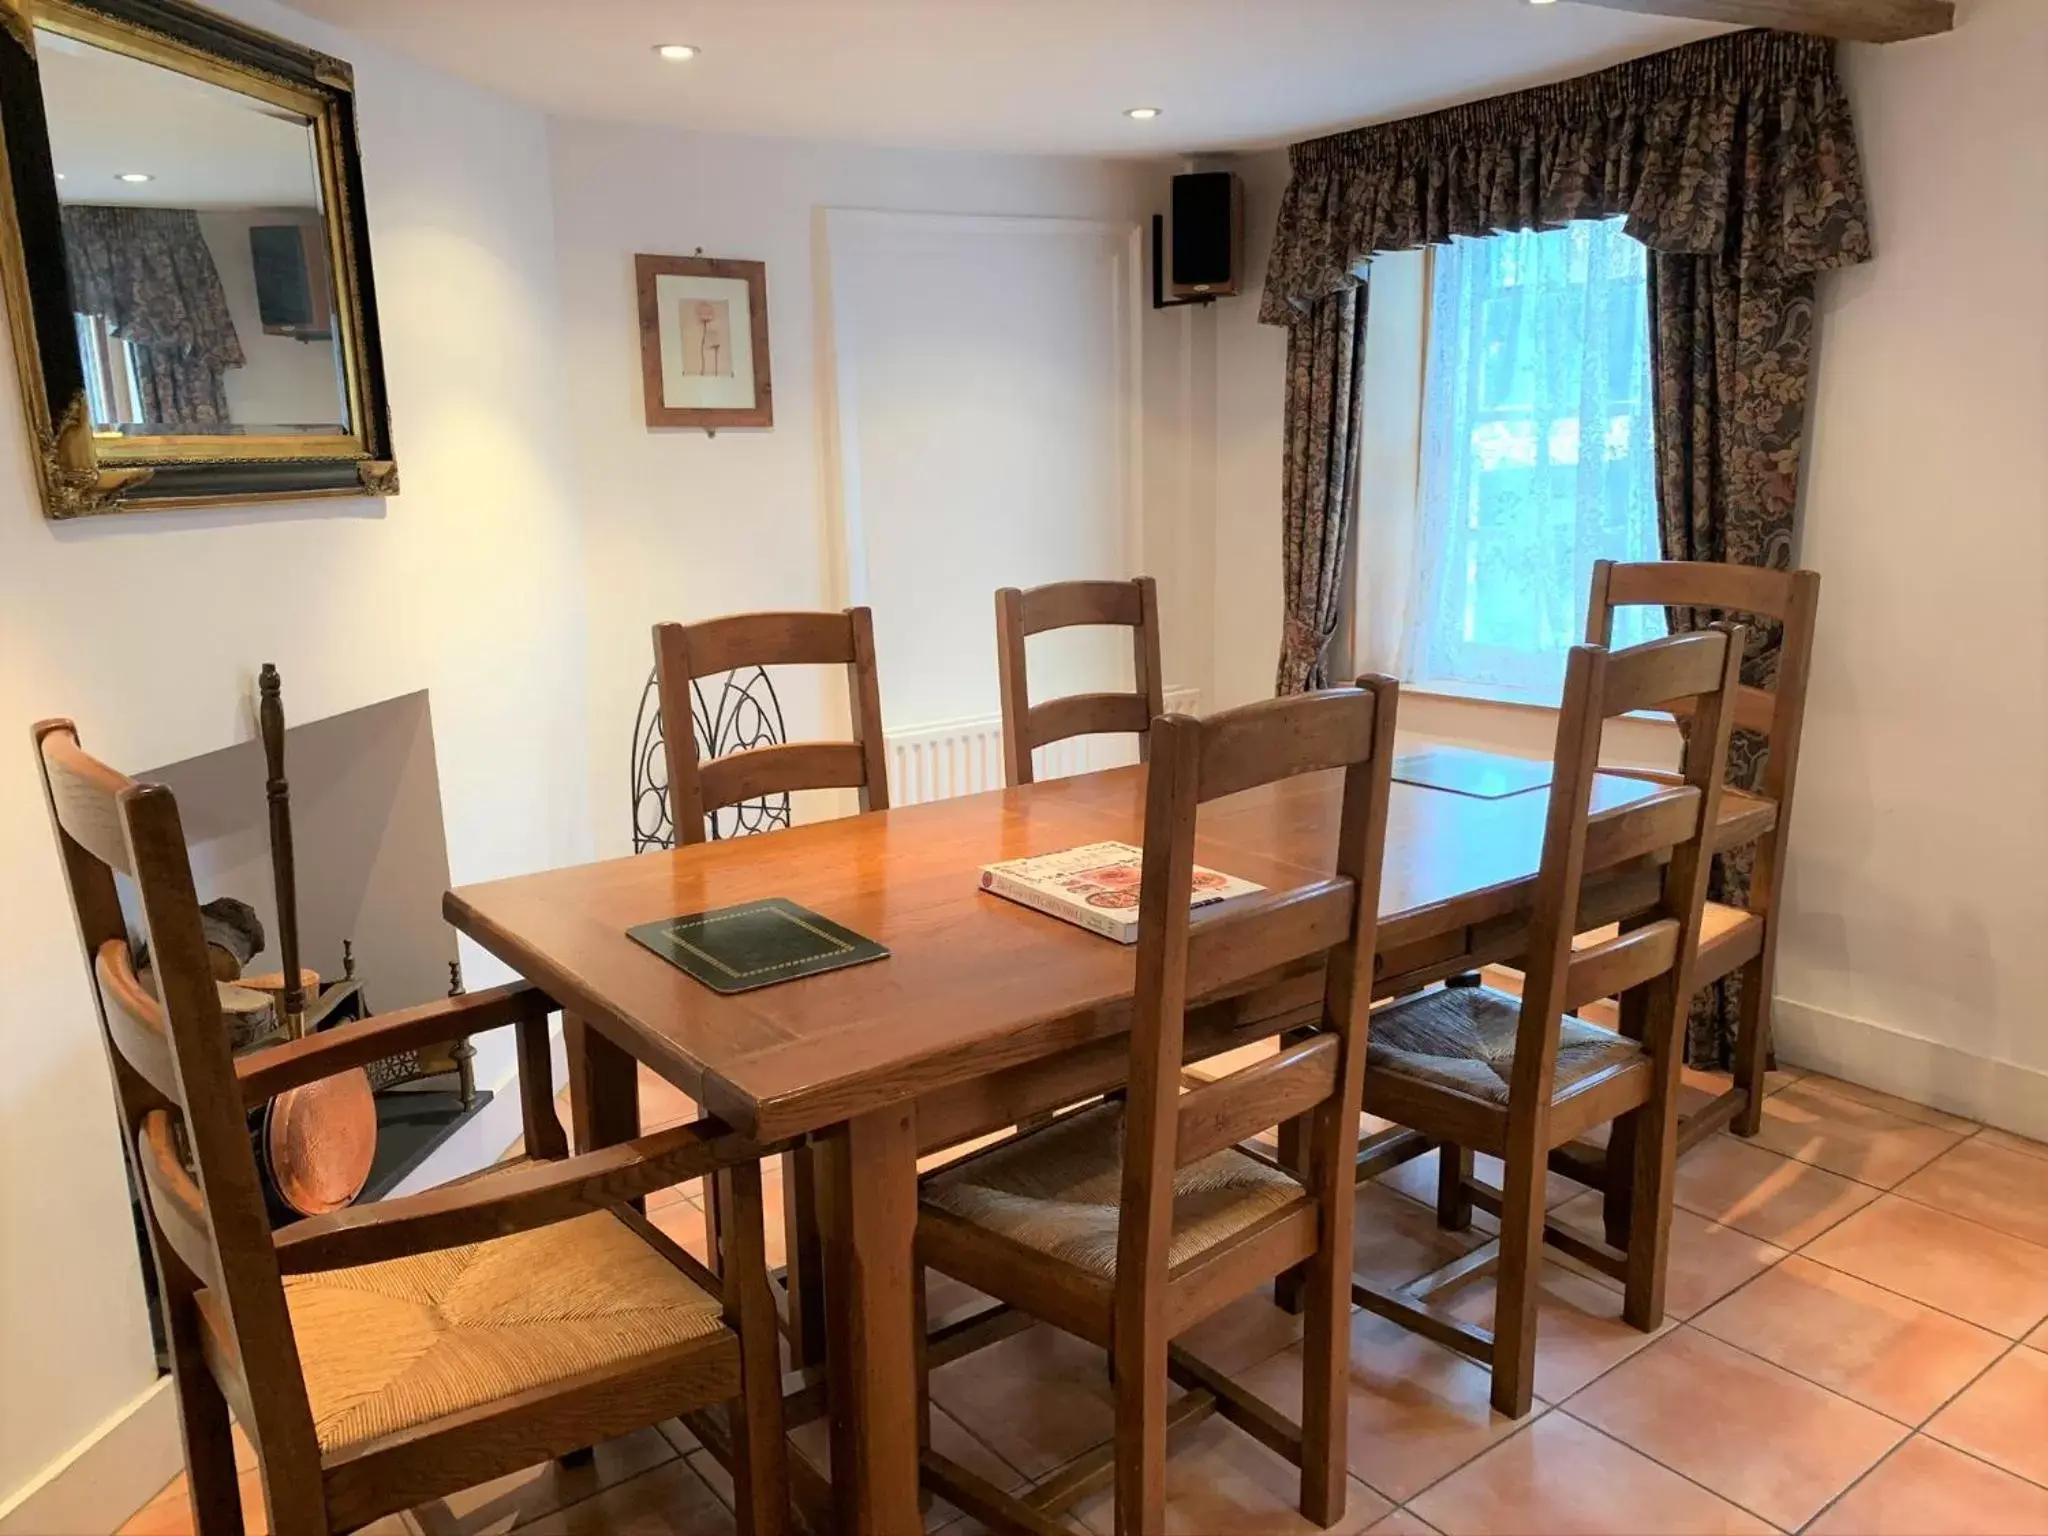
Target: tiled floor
x=1857, y=1342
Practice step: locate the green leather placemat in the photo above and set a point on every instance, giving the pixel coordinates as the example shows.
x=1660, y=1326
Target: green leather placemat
x=755, y=944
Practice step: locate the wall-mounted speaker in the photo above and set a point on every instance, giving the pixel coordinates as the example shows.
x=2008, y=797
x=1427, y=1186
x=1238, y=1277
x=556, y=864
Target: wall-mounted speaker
x=1208, y=235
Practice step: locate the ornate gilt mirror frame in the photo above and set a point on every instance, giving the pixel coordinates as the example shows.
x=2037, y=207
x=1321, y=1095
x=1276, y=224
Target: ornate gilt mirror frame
x=83, y=472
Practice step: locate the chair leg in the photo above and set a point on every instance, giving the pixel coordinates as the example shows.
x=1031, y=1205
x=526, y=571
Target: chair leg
x=1649, y=1237
x=1139, y=1362
x=1518, y=1283
x=1326, y=1387
x=1290, y=1286
x=804, y=1248
x=1453, y=1191
x=760, y=1466
x=1753, y=1042
x=1617, y=1201
x=210, y=1476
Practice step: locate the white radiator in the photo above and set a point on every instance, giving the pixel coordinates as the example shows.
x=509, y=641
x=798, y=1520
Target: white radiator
x=964, y=757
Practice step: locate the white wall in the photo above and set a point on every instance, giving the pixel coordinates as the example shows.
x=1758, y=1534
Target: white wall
x=149, y=629
x=283, y=380
x=1918, y=901
x=682, y=526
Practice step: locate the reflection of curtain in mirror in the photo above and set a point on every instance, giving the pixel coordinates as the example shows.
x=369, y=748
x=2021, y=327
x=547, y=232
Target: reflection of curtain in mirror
x=148, y=273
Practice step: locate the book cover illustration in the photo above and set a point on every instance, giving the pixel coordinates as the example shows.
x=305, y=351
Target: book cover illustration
x=1095, y=886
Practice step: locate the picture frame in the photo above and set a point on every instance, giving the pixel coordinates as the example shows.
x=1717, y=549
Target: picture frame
x=704, y=358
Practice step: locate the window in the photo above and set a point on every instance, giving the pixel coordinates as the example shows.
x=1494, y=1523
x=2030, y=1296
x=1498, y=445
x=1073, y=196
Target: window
x=1536, y=453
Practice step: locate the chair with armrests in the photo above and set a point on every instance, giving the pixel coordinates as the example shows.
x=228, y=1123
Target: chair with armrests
x=1126, y=1223
x=1473, y=1069
x=697, y=789
x=1065, y=605
x=388, y=1354
x=1738, y=936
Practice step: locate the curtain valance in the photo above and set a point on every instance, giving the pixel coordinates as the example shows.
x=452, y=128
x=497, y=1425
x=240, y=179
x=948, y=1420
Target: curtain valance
x=1741, y=146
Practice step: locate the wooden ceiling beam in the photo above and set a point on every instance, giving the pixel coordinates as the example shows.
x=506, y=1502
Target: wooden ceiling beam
x=1862, y=21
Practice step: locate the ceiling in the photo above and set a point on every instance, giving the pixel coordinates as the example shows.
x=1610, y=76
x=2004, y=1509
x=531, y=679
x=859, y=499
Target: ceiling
x=1038, y=76
x=201, y=146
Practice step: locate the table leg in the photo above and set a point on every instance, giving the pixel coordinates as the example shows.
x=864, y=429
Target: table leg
x=604, y=1088
x=869, y=1218
x=804, y=1257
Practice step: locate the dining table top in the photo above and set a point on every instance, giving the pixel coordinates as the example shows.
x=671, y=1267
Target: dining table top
x=972, y=981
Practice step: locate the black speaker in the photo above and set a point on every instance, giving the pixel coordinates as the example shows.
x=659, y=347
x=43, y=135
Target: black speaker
x=1208, y=229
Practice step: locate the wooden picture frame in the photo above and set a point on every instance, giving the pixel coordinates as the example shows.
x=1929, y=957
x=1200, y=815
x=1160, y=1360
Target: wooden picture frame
x=702, y=364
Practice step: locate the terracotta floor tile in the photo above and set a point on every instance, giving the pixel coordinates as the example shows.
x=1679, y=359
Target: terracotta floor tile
x=813, y=1442
x=170, y=1513
x=683, y=1222
x=1707, y=1260
x=2001, y=1188
x=1221, y=1482
x=1991, y=1136
x=1926, y=1489
x=1037, y=1399
x=2002, y=1417
x=1977, y=1274
x=662, y=1104
x=1401, y=1523
x=1757, y=1435
x=1579, y=1331
x=1396, y=1240
x=1247, y=1331
x=1869, y=1344
x=1905, y=1108
x=2038, y=1339
x=1811, y=1122
x=1759, y=1192
x=1417, y=1410
x=1559, y=1476
x=672, y=1500
x=518, y=1497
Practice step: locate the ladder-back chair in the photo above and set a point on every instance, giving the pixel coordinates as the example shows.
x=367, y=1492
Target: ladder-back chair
x=1735, y=937
x=1066, y=605
x=1127, y=1222
x=1474, y=1069
x=743, y=641
x=388, y=1354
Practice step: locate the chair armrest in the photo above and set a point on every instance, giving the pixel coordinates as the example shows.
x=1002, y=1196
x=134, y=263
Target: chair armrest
x=267, y=1073
x=516, y=1198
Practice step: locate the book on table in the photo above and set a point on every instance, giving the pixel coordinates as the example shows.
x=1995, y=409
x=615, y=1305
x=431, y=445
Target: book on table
x=1095, y=886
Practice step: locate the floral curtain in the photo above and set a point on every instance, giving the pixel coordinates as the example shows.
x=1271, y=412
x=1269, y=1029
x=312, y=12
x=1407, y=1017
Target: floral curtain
x=1319, y=478
x=1734, y=160
x=149, y=273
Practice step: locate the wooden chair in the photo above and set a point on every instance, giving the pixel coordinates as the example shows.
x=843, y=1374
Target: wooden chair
x=1128, y=1222
x=1066, y=605
x=682, y=654
x=1743, y=938
x=1473, y=1069
x=393, y=1353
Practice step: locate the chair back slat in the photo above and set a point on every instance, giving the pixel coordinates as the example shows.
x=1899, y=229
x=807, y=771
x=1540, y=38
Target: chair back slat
x=1132, y=605
x=1677, y=667
x=1244, y=939
x=1626, y=832
x=1713, y=584
x=775, y=770
x=175, y=1203
x=1267, y=1093
x=1621, y=964
x=1275, y=739
x=1319, y=1075
x=174, y=1075
x=1087, y=714
x=685, y=652
x=135, y=1020
x=82, y=796
x=1756, y=709
x=1064, y=604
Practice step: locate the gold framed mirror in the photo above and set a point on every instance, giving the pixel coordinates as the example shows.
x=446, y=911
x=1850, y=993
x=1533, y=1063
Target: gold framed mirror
x=185, y=260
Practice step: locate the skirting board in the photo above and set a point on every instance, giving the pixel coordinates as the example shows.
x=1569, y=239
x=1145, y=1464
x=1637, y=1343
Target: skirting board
x=106, y=1477
x=2001, y=1093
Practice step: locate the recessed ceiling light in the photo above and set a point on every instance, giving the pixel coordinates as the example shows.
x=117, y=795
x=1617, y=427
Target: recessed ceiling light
x=135, y=176
x=676, y=53
x=1543, y=2
x=1142, y=114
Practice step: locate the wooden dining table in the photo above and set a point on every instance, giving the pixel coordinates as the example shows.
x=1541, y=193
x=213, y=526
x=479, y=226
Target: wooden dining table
x=983, y=1013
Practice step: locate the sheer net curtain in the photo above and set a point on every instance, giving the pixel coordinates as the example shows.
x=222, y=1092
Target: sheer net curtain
x=1536, y=453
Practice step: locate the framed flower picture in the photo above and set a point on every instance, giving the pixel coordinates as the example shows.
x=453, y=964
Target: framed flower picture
x=704, y=342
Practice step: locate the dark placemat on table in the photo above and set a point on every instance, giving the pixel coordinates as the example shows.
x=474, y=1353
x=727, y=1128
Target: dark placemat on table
x=1482, y=775
x=755, y=944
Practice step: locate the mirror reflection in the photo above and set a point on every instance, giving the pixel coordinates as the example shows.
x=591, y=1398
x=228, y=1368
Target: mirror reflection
x=197, y=250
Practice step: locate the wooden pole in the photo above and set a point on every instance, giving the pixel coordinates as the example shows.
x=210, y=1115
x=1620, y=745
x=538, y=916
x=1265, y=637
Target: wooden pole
x=270, y=721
